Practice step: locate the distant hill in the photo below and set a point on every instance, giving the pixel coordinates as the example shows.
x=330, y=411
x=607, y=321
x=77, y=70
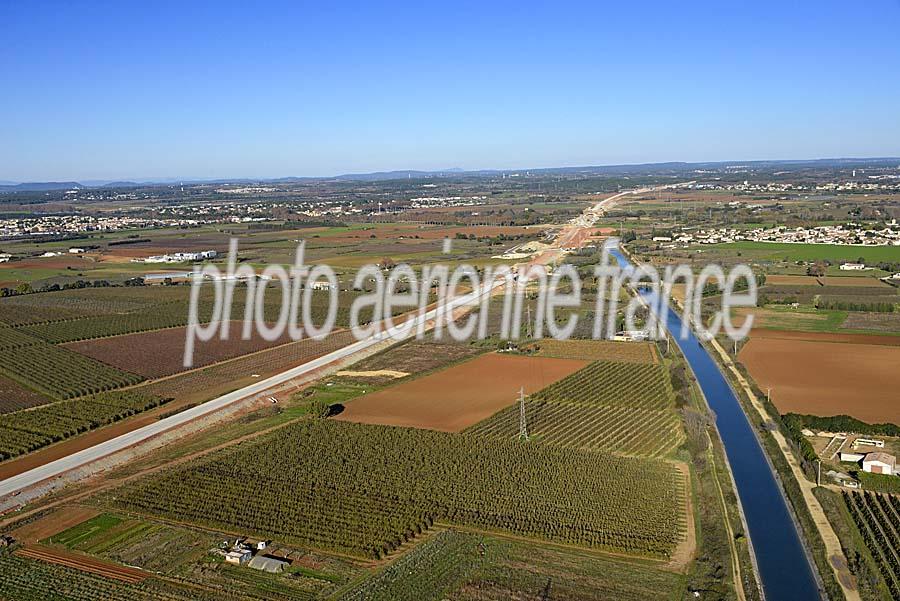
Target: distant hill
x=674, y=167
x=40, y=186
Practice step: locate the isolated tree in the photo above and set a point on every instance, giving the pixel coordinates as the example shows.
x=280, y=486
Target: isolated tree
x=319, y=408
x=817, y=269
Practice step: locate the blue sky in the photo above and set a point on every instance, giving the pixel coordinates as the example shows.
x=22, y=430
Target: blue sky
x=109, y=90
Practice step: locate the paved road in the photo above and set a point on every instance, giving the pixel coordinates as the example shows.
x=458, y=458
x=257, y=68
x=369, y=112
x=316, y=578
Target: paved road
x=81, y=458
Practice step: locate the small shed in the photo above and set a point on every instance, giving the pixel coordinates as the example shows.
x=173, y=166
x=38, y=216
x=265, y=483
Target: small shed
x=237, y=557
x=254, y=543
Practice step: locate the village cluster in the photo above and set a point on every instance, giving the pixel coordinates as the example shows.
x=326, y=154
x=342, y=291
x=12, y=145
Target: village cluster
x=56, y=225
x=846, y=234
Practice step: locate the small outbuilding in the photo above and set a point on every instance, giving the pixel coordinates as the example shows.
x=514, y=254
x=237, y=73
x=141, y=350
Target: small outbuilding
x=238, y=557
x=257, y=544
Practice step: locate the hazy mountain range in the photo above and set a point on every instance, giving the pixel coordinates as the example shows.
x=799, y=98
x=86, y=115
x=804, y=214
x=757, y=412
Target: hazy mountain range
x=635, y=169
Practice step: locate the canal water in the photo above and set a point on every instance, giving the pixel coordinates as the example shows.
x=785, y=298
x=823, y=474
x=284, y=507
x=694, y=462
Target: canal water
x=783, y=565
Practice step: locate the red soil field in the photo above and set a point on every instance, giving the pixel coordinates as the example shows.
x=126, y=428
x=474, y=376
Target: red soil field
x=161, y=352
x=827, y=378
x=463, y=395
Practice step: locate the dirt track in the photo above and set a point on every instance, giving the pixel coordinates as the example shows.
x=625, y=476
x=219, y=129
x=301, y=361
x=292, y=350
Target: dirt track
x=461, y=396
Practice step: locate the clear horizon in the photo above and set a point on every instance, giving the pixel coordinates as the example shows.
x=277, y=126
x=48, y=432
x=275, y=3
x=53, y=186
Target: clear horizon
x=215, y=91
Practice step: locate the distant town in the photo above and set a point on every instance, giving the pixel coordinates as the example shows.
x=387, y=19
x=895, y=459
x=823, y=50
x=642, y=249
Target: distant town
x=852, y=234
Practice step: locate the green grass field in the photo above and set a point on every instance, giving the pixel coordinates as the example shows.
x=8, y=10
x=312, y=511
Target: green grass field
x=806, y=252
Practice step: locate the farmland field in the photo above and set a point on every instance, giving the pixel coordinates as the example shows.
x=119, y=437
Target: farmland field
x=429, y=571
x=805, y=280
x=516, y=570
x=73, y=315
x=416, y=357
x=25, y=431
x=208, y=382
x=594, y=350
x=877, y=517
x=884, y=323
x=468, y=566
x=832, y=337
x=61, y=373
x=14, y=396
x=363, y=490
x=832, y=374
x=462, y=395
x=808, y=252
x=625, y=408
x=614, y=384
x=623, y=429
x=804, y=319
x=25, y=579
x=161, y=352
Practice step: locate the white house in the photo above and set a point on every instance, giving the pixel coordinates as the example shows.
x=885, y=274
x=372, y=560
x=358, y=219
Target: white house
x=321, y=285
x=879, y=463
x=853, y=266
x=76, y=251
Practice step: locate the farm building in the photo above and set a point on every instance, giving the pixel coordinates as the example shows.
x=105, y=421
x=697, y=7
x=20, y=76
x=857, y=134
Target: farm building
x=872, y=442
x=879, y=463
x=852, y=266
x=268, y=564
x=237, y=557
x=850, y=457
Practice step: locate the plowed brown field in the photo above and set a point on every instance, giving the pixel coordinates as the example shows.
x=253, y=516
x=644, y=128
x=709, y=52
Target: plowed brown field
x=456, y=398
x=54, y=523
x=828, y=374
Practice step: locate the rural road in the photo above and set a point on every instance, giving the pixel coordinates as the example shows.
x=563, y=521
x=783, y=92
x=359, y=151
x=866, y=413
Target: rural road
x=22, y=481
